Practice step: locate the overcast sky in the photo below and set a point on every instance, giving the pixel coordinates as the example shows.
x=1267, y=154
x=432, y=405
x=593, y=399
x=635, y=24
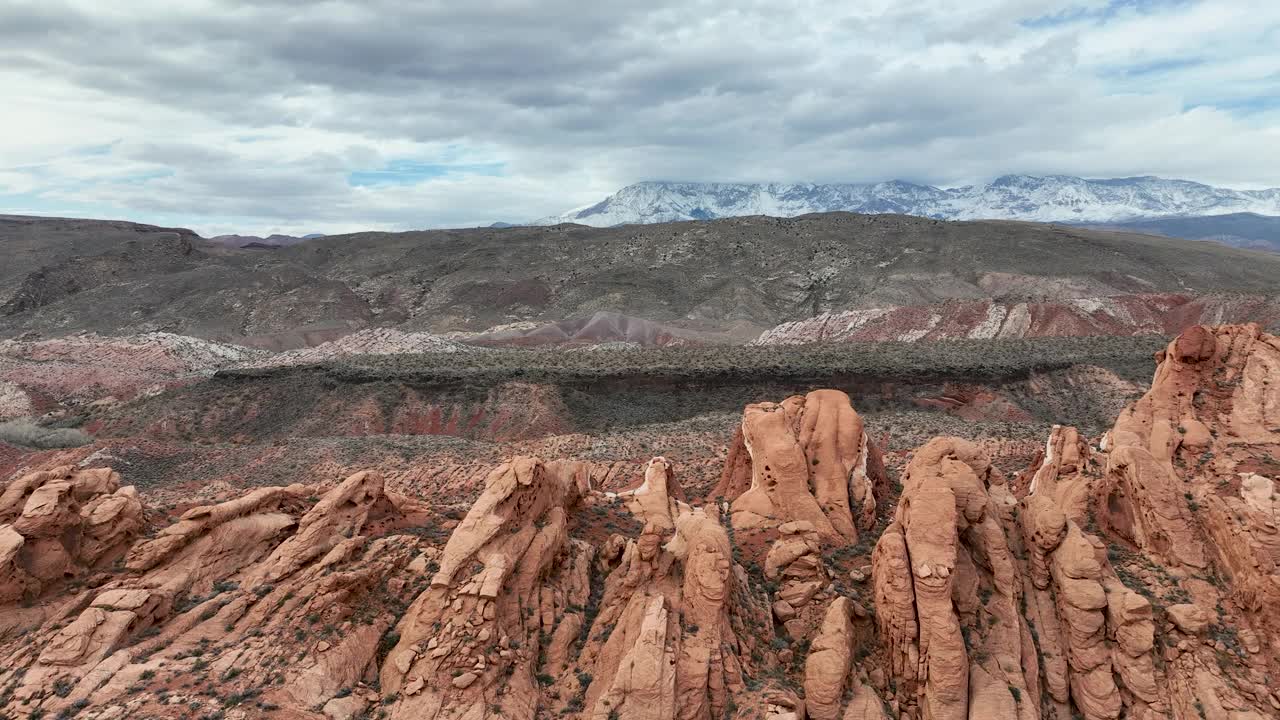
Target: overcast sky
x=299, y=116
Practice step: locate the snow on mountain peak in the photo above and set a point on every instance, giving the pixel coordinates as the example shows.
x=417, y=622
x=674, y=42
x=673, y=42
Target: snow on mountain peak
x=1050, y=198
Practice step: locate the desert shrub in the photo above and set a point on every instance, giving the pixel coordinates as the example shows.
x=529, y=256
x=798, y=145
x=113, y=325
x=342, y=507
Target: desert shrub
x=614, y=392
x=27, y=433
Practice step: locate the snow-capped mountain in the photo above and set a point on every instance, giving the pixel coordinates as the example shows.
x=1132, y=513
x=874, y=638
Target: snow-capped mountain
x=1054, y=198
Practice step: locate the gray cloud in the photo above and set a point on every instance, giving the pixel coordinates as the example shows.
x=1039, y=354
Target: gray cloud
x=574, y=99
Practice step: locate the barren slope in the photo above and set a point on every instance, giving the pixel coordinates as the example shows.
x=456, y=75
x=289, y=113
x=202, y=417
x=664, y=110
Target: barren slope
x=696, y=281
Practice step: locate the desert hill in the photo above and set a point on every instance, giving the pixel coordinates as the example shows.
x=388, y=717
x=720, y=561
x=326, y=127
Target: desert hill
x=719, y=281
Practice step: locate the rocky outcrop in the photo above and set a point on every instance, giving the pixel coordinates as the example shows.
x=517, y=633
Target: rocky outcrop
x=293, y=596
x=507, y=577
x=866, y=705
x=1061, y=473
x=659, y=499
x=810, y=461
x=1066, y=573
x=1134, y=579
x=1095, y=635
x=14, y=578
x=663, y=635
x=1120, y=608
x=1244, y=529
x=1203, y=377
x=946, y=588
x=1183, y=472
x=1146, y=505
x=795, y=563
x=1190, y=483
x=60, y=524
x=826, y=668
x=669, y=621
x=1131, y=629
x=266, y=507
x=276, y=595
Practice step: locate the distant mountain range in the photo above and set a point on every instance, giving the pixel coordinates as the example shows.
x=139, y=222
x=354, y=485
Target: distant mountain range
x=253, y=241
x=1243, y=230
x=1054, y=198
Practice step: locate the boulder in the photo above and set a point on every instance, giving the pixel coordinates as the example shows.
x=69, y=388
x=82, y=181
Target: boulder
x=1189, y=618
x=826, y=668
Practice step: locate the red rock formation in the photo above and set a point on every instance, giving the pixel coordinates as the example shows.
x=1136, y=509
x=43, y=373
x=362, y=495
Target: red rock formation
x=932, y=567
x=1138, y=580
x=1060, y=473
x=658, y=499
x=1173, y=490
x=1188, y=484
x=809, y=461
x=1213, y=411
x=63, y=524
x=466, y=643
x=1075, y=576
x=669, y=623
x=272, y=593
x=664, y=637
x=795, y=563
x=826, y=668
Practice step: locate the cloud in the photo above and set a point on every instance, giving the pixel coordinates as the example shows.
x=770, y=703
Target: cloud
x=281, y=115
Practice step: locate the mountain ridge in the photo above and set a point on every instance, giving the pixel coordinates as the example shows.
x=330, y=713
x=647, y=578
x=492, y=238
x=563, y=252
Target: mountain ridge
x=1242, y=230
x=735, y=277
x=1050, y=198
x=275, y=240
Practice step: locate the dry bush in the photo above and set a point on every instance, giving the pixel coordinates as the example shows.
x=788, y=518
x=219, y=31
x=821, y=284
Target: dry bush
x=25, y=432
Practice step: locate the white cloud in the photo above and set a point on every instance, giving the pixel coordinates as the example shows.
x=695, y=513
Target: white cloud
x=253, y=116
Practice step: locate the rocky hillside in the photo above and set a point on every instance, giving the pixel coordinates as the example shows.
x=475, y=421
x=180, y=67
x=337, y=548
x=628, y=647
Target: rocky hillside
x=371, y=341
x=1011, y=387
x=1132, y=575
x=433, y=423
x=189, y=397
x=1142, y=314
x=697, y=282
x=40, y=376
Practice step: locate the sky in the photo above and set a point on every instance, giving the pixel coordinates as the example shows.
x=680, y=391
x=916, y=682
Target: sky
x=298, y=116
